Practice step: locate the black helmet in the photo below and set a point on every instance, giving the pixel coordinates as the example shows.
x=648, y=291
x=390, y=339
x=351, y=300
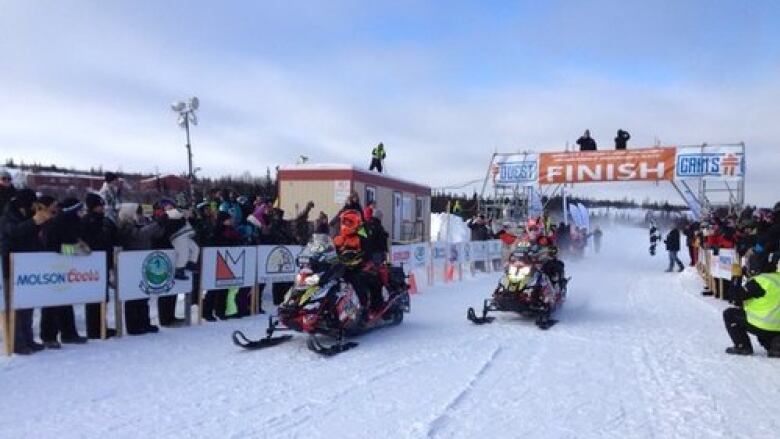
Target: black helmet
x=759, y=263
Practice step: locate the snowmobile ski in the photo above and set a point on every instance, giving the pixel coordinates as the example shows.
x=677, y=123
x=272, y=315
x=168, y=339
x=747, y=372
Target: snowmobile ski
x=545, y=324
x=241, y=340
x=328, y=351
x=472, y=315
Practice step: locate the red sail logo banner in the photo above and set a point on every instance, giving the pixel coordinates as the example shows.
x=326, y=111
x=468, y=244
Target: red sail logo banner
x=651, y=164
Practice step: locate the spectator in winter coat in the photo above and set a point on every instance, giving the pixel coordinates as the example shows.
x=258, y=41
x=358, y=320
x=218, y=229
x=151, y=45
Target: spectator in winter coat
x=586, y=142
x=622, y=139
x=7, y=189
x=690, y=241
x=137, y=236
x=100, y=234
x=62, y=235
x=597, y=234
x=20, y=227
x=479, y=229
x=215, y=301
x=111, y=192
x=321, y=224
x=378, y=237
x=182, y=238
x=672, y=242
x=302, y=228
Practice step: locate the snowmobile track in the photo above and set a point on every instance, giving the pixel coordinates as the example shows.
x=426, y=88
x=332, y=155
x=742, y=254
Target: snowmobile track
x=442, y=420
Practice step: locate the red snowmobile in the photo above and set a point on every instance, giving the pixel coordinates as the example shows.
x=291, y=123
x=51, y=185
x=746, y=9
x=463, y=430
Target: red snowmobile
x=533, y=285
x=323, y=301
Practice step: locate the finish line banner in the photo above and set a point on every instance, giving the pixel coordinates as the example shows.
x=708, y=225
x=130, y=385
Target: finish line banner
x=650, y=164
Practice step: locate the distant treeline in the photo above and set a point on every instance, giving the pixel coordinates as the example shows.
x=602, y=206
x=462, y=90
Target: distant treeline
x=469, y=205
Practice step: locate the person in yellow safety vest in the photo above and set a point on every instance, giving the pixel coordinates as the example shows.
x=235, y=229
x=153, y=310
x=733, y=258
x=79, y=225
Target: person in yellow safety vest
x=760, y=311
x=377, y=155
x=457, y=209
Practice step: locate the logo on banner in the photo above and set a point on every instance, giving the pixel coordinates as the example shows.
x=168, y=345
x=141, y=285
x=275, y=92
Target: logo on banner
x=401, y=255
x=156, y=273
x=453, y=253
x=280, y=261
x=515, y=172
x=231, y=268
x=419, y=254
x=709, y=165
x=57, y=278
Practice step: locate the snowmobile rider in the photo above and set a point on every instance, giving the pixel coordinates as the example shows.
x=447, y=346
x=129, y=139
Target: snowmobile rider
x=353, y=245
x=760, y=311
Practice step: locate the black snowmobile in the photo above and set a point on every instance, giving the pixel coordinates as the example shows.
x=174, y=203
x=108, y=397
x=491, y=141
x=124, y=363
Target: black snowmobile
x=323, y=302
x=532, y=285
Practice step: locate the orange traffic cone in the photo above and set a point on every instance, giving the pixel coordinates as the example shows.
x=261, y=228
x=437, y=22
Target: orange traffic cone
x=450, y=274
x=412, y=283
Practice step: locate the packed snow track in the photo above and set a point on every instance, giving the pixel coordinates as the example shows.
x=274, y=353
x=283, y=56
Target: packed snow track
x=637, y=353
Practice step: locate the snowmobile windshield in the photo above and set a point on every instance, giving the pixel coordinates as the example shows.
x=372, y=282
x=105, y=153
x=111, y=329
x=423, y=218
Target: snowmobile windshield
x=318, y=251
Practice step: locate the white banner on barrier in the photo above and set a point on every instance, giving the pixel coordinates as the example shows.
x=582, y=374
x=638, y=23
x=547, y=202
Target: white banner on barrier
x=143, y=274
x=277, y=263
x=52, y=279
x=465, y=253
x=721, y=265
x=225, y=267
x=454, y=255
x=401, y=254
x=421, y=255
x=438, y=251
x=494, y=248
x=479, y=250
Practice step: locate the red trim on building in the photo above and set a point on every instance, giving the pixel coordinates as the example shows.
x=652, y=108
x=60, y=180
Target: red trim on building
x=353, y=175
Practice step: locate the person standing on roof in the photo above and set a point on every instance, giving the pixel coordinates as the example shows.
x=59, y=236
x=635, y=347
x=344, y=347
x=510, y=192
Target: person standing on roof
x=377, y=156
x=621, y=140
x=586, y=142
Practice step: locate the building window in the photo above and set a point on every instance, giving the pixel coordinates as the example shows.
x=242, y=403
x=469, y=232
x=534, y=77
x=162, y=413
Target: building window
x=419, y=209
x=370, y=194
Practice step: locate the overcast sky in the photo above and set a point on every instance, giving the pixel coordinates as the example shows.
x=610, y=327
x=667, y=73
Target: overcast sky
x=442, y=84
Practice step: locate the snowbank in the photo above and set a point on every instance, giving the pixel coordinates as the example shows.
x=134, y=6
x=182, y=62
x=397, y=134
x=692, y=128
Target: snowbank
x=458, y=230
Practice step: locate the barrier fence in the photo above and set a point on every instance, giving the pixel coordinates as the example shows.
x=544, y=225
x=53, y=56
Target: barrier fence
x=718, y=270
x=43, y=279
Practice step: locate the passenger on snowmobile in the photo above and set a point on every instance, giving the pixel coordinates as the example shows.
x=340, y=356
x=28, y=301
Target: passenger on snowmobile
x=353, y=247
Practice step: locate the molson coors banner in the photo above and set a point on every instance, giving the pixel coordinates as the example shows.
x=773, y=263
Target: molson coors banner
x=649, y=164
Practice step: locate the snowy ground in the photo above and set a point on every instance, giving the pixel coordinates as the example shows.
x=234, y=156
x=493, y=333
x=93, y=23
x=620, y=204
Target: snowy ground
x=637, y=354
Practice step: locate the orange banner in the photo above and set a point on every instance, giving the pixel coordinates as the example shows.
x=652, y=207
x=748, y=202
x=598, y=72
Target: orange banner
x=650, y=164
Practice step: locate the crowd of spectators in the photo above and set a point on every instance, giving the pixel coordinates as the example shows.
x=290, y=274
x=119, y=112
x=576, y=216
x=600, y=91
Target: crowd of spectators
x=32, y=222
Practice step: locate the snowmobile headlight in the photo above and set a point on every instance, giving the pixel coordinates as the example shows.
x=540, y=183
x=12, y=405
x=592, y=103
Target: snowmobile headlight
x=313, y=280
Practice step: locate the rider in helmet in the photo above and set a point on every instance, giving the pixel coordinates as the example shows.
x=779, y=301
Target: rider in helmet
x=759, y=313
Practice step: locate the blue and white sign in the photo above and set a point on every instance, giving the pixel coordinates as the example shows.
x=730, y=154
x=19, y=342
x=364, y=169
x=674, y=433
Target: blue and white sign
x=720, y=163
x=515, y=169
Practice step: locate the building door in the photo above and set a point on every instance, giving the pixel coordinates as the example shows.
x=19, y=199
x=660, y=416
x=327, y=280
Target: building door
x=397, y=215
